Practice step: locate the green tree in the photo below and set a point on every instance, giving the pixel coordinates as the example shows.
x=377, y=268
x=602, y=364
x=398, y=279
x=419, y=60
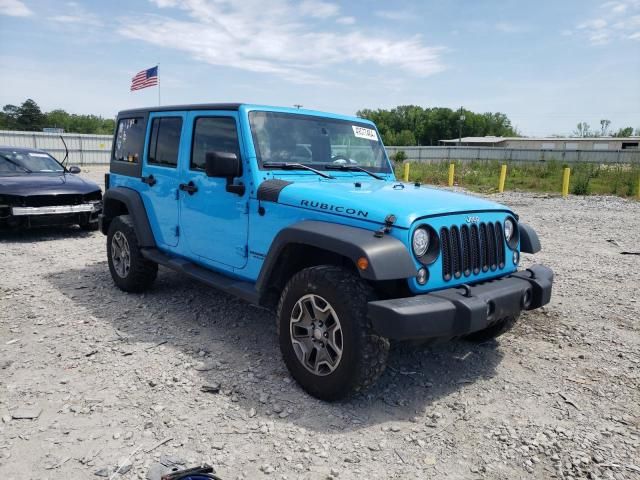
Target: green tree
x=30, y=117
x=414, y=125
x=8, y=117
x=583, y=129
x=624, y=132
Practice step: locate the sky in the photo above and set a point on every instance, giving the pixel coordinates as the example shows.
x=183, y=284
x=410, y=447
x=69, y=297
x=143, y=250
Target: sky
x=546, y=64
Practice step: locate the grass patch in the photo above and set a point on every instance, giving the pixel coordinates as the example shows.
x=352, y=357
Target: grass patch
x=482, y=176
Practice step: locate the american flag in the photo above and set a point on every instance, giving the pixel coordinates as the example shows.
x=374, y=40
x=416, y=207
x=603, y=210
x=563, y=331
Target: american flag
x=145, y=78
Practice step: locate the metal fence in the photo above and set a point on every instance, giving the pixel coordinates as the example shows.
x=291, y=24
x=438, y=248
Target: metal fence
x=468, y=154
x=83, y=149
x=96, y=150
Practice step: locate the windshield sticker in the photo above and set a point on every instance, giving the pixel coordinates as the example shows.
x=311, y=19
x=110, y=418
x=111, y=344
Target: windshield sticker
x=366, y=133
x=34, y=154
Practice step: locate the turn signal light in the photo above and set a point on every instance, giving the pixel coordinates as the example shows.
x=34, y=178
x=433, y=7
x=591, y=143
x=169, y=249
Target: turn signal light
x=363, y=263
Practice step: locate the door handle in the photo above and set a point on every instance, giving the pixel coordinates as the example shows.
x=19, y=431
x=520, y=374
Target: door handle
x=190, y=187
x=150, y=180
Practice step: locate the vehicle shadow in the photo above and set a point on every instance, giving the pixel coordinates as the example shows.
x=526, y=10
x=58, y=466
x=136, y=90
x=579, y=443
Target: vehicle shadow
x=241, y=339
x=44, y=234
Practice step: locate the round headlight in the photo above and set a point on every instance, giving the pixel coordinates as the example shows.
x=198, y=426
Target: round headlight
x=509, y=227
x=420, y=241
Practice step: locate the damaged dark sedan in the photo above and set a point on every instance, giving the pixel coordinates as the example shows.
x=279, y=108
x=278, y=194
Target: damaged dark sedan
x=37, y=190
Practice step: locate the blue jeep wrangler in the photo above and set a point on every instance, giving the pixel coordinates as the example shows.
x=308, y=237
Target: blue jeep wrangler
x=300, y=212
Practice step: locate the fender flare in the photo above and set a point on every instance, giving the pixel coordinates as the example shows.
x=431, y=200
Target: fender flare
x=388, y=257
x=529, y=241
x=135, y=206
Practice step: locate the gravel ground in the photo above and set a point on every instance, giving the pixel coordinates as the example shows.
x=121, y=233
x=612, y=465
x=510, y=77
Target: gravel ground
x=116, y=379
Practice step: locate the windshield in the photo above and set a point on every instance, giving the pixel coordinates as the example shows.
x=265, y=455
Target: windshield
x=316, y=141
x=14, y=162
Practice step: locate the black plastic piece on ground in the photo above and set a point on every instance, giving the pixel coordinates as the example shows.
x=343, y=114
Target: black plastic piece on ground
x=198, y=473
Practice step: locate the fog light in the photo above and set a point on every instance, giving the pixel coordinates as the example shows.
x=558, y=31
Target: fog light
x=422, y=276
x=516, y=257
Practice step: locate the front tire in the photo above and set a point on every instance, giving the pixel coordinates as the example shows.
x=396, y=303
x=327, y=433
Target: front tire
x=130, y=271
x=326, y=339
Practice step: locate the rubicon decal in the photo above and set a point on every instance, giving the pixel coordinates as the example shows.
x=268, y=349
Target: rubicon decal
x=334, y=208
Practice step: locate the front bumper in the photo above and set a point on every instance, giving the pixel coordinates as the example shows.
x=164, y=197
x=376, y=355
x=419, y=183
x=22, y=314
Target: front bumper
x=461, y=310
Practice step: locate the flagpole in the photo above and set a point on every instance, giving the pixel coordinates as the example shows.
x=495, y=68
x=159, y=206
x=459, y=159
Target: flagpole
x=158, y=67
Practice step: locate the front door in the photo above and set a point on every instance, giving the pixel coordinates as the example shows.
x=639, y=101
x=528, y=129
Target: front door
x=160, y=175
x=213, y=222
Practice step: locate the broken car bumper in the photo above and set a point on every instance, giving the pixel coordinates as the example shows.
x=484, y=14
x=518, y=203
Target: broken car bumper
x=461, y=310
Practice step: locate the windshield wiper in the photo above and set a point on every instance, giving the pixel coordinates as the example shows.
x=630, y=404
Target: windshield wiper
x=16, y=164
x=295, y=166
x=352, y=168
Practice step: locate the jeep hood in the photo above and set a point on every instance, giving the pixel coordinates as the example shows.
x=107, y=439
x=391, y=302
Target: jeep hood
x=375, y=200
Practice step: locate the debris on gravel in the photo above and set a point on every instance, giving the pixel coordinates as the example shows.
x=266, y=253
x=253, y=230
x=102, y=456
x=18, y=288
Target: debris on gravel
x=94, y=380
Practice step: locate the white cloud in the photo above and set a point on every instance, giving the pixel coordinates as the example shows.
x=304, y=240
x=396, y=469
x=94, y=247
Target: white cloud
x=280, y=40
x=395, y=15
x=79, y=18
x=508, y=27
x=14, y=8
x=634, y=36
x=318, y=9
x=615, y=21
x=346, y=20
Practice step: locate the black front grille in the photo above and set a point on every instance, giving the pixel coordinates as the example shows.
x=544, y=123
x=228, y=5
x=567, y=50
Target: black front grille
x=469, y=250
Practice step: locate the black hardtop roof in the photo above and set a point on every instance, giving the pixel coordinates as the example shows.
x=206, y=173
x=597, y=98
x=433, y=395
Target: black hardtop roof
x=173, y=108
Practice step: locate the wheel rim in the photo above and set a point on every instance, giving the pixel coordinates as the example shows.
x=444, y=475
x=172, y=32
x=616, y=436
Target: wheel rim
x=120, y=254
x=316, y=334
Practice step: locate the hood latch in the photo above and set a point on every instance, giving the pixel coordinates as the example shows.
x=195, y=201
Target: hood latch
x=389, y=220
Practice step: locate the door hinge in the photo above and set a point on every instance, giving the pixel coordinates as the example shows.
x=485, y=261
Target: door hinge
x=177, y=231
x=242, y=250
x=177, y=194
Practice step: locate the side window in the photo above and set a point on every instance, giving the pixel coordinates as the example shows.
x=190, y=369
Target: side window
x=164, y=141
x=129, y=140
x=213, y=134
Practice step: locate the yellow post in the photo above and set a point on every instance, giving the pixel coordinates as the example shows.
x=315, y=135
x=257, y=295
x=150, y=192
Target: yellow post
x=503, y=178
x=566, y=174
x=405, y=177
x=452, y=171
x=638, y=188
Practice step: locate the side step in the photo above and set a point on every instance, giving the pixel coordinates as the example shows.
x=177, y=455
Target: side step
x=244, y=290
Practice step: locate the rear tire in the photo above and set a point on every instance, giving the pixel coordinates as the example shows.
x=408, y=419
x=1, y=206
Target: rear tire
x=499, y=328
x=130, y=271
x=316, y=304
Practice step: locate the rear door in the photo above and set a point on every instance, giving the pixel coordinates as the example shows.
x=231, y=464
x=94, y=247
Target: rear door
x=214, y=221
x=161, y=176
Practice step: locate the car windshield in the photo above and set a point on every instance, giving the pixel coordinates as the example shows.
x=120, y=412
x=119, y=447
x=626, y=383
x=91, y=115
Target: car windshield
x=15, y=162
x=318, y=142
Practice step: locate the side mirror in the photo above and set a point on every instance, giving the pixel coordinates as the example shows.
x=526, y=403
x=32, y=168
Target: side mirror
x=222, y=164
x=226, y=165
x=73, y=169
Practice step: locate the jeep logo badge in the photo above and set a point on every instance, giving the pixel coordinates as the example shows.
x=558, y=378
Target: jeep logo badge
x=473, y=219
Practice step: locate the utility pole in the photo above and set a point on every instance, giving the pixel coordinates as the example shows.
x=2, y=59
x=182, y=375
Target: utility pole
x=297, y=105
x=460, y=127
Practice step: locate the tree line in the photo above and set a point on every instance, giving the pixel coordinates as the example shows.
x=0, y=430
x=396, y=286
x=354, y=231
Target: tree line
x=409, y=125
x=29, y=117
x=583, y=129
